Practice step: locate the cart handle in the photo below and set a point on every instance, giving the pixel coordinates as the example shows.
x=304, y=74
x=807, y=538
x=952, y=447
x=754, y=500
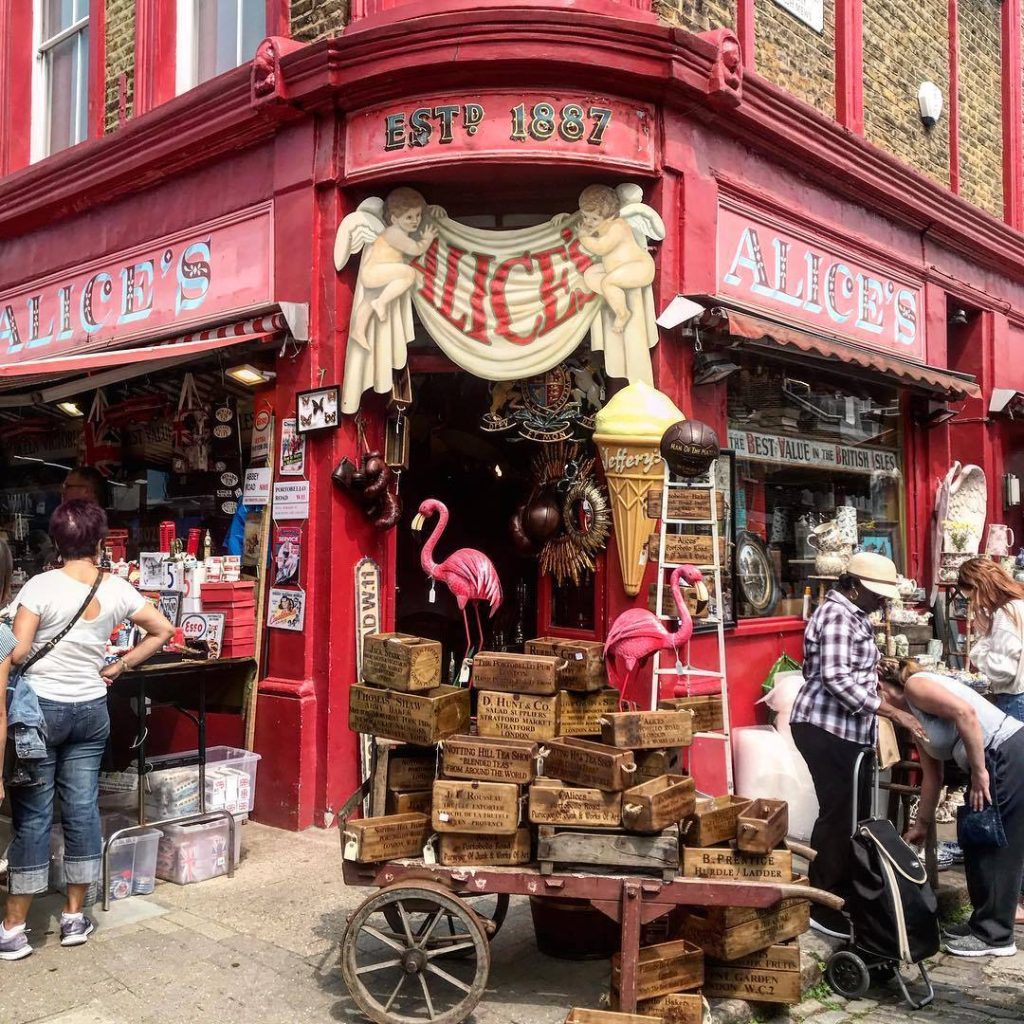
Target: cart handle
x=804, y=892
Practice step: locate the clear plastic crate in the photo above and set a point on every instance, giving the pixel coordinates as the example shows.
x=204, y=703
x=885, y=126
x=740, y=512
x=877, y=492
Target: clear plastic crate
x=194, y=853
x=132, y=861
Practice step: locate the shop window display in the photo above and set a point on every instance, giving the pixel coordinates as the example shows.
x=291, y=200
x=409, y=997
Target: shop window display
x=818, y=460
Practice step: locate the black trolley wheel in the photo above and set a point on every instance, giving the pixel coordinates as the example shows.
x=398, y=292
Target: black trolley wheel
x=847, y=974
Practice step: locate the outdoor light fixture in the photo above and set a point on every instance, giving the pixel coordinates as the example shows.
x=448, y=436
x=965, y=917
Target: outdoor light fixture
x=249, y=375
x=938, y=412
x=929, y=101
x=70, y=409
x=678, y=311
x=712, y=367
x=958, y=318
x=1011, y=490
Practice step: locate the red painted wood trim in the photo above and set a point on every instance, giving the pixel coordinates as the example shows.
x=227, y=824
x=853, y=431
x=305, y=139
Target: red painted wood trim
x=15, y=85
x=279, y=18
x=155, y=54
x=953, y=20
x=850, y=65
x=1013, y=82
x=97, y=76
x=745, y=32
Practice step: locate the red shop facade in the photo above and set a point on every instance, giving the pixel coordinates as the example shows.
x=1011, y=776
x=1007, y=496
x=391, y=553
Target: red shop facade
x=831, y=277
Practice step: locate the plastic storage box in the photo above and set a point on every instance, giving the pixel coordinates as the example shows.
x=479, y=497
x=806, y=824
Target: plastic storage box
x=194, y=853
x=132, y=862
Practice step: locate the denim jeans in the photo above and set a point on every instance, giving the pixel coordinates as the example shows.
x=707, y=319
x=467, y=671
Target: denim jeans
x=1011, y=704
x=76, y=735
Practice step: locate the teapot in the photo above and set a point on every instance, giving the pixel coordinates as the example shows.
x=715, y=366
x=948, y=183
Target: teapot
x=906, y=586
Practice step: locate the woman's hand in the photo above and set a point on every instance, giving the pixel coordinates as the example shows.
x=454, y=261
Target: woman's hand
x=112, y=671
x=979, y=796
x=916, y=835
x=911, y=724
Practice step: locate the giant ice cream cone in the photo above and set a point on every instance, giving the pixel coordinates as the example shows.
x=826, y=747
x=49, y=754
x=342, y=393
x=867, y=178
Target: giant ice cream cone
x=628, y=433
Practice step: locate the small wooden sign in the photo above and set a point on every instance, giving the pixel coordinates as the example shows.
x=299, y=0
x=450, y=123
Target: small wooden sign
x=692, y=548
x=786, y=921
x=481, y=808
x=707, y=711
x=580, y=714
x=762, y=826
x=369, y=840
x=683, y=503
x=714, y=820
x=655, y=805
x=484, y=851
x=652, y=764
x=552, y=803
x=676, y=966
x=489, y=760
x=586, y=763
x=771, y=975
x=420, y=718
x=418, y=801
x=400, y=661
x=516, y=673
x=677, y=1008
x=776, y=866
x=516, y=716
x=647, y=730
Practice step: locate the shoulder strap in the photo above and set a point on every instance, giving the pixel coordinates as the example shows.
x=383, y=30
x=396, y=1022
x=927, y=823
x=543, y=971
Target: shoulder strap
x=53, y=641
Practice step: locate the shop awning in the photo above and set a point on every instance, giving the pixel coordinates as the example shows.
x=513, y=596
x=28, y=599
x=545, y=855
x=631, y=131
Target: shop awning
x=739, y=324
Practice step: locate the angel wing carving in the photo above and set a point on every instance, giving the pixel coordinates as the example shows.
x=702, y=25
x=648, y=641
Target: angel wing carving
x=358, y=229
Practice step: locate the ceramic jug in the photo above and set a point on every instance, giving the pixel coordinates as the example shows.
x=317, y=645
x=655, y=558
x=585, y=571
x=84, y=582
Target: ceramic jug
x=846, y=523
x=1000, y=540
x=827, y=537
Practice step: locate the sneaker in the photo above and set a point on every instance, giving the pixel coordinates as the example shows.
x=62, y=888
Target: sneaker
x=830, y=922
x=971, y=945
x=16, y=947
x=958, y=930
x=75, y=931
x=953, y=849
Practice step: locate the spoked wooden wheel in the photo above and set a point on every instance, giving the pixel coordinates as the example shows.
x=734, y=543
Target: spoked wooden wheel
x=490, y=909
x=422, y=972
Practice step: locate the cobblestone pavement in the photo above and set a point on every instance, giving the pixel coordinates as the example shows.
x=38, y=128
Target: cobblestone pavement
x=263, y=947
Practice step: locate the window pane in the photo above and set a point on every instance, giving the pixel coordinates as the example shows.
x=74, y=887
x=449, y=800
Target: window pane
x=57, y=15
x=254, y=28
x=61, y=81
x=82, y=86
x=81, y=9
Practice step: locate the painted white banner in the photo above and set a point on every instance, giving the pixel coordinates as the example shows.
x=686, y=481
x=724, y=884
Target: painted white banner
x=803, y=451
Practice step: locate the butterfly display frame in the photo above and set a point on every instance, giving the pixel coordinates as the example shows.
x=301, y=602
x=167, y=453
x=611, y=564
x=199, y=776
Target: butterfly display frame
x=318, y=409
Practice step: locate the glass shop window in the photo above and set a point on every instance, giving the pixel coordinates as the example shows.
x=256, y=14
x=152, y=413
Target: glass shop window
x=215, y=36
x=819, y=473
x=63, y=57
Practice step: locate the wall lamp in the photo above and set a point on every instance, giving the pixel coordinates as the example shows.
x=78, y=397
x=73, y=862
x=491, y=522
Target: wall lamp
x=249, y=375
x=712, y=367
x=929, y=102
x=938, y=412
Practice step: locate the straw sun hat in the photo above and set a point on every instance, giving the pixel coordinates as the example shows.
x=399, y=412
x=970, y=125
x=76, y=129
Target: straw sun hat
x=876, y=573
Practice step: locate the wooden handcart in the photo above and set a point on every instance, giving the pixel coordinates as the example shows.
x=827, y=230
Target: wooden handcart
x=418, y=949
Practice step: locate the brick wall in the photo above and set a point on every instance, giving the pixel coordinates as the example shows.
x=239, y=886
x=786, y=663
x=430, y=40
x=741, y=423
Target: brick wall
x=697, y=15
x=981, y=139
x=316, y=19
x=792, y=55
x=905, y=44
x=120, y=57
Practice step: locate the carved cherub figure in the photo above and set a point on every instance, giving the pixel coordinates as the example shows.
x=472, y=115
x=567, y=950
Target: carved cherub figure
x=624, y=264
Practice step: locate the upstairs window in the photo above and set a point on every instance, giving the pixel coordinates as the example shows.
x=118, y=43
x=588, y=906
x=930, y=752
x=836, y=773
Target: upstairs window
x=215, y=36
x=62, y=70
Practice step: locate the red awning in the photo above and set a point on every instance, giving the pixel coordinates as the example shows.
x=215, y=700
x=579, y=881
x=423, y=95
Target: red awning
x=771, y=333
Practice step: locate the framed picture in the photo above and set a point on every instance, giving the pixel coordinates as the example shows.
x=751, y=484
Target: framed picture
x=877, y=542
x=317, y=409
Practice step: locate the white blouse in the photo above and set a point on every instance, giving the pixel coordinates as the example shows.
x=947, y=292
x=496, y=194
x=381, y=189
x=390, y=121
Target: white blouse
x=997, y=656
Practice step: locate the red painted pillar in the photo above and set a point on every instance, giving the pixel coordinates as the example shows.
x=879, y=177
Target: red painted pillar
x=15, y=84
x=850, y=64
x=155, y=47
x=97, y=68
x=745, y=32
x=1013, y=111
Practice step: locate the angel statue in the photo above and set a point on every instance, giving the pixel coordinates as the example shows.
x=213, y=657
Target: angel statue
x=614, y=225
x=381, y=325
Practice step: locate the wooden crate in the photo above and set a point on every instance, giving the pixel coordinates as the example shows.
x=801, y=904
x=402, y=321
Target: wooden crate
x=683, y=503
x=553, y=803
x=787, y=920
x=483, y=808
x=580, y=1015
x=516, y=716
x=580, y=714
x=776, y=866
x=714, y=820
x=583, y=669
x=655, y=805
x=647, y=730
x=369, y=840
x=652, y=764
x=677, y=1008
x=687, y=548
x=493, y=759
x=676, y=966
x=612, y=851
x=408, y=772
x=588, y=764
x=401, y=661
x=516, y=673
x=762, y=826
x=456, y=850
x=770, y=975
x=707, y=711
x=419, y=801
x=729, y=917
x=420, y=718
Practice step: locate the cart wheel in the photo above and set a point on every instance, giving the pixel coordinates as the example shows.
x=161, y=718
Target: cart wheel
x=394, y=975
x=490, y=908
x=847, y=974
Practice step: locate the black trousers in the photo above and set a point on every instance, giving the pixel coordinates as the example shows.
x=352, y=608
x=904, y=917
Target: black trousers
x=831, y=762
x=994, y=874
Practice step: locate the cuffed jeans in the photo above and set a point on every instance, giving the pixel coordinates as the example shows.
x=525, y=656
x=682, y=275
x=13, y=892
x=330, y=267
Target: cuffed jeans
x=76, y=735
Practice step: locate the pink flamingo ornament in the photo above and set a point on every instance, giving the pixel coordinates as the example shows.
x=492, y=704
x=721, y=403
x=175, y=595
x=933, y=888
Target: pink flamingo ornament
x=469, y=574
x=638, y=633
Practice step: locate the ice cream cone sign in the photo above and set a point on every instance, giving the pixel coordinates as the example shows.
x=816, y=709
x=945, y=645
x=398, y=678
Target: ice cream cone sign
x=628, y=432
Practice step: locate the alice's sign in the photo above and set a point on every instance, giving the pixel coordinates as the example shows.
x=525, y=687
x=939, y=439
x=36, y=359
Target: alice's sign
x=560, y=126
x=786, y=270
x=803, y=451
x=165, y=286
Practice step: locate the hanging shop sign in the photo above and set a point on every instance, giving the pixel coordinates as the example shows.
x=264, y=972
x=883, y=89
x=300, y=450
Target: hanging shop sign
x=560, y=126
x=805, y=452
x=790, y=271
x=368, y=605
x=157, y=289
x=256, y=489
x=503, y=305
x=291, y=499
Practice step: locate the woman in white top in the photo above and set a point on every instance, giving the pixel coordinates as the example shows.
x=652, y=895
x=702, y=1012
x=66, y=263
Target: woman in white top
x=70, y=681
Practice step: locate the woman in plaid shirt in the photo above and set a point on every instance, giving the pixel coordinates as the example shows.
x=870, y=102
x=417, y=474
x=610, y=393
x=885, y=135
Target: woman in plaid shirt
x=834, y=717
